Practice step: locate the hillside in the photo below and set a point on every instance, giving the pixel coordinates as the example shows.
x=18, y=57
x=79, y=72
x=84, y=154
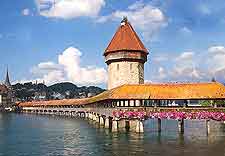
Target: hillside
x=30, y=91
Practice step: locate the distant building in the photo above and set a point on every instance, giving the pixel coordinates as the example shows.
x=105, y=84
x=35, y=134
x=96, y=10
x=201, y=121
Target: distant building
x=7, y=98
x=7, y=81
x=3, y=96
x=42, y=95
x=58, y=96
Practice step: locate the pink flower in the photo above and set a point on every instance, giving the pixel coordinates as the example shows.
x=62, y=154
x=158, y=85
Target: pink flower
x=218, y=116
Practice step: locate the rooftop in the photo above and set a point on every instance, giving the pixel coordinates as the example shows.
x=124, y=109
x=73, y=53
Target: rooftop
x=125, y=39
x=7, y=81
x=166, y=91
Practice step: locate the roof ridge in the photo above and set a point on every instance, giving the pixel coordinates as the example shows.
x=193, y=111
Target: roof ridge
x=125, y=39
x=173, y=83
x=136, y=36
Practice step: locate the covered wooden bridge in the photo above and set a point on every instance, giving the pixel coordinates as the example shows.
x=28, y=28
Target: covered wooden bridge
x=130, y=105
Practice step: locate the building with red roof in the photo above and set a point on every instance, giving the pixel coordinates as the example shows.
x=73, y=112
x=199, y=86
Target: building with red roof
x=125, y=57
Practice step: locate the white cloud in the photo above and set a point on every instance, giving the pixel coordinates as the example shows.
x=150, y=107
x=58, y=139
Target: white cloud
x=160, y=58
x=67, y=9
x=137, y=5
x=186, y=73
x=217, y=58
x=50, y=72
x=162, y=73
x=217, y=50
x=185, y=56
x=191, y=67
x=185, y=31
x=146, y=18
x=68, y=69
x=186, y=67
x=45, y=68
x=220, y=75
x=26, y=12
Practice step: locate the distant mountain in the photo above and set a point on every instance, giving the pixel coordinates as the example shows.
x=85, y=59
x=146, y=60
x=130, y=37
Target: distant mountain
x=30, y=91
x=72, y=91
x=63, y=87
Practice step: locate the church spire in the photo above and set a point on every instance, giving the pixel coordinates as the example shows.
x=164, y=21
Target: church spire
x=7, y=81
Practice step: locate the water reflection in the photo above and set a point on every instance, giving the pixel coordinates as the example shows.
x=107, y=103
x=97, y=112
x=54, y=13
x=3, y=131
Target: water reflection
x=53, y=135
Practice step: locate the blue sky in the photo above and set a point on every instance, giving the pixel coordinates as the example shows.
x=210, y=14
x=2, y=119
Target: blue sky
x=65, y=41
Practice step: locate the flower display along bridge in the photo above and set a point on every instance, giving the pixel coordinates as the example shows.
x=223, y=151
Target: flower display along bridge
x=128, y=106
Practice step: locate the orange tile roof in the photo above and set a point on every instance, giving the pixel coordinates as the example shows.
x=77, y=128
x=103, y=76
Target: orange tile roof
x=212, y=90
x=125, y=39
x=55, y=102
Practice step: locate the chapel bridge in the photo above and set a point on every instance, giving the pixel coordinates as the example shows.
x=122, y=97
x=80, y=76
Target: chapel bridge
x=128, y=101
x=127, y=106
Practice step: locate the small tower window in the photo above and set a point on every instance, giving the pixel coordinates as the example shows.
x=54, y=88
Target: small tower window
x=130, y=66
x=118, y=66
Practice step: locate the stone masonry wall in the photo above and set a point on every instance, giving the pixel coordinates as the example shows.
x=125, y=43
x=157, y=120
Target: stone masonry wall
x=125, y=72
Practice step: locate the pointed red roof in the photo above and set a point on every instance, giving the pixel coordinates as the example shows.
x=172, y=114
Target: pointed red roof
x=125, y=39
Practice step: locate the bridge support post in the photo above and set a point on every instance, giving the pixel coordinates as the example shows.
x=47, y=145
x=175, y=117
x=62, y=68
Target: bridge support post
x=207, y=127
x=90, y=116
x=122, y=124
x=181, y=126
x=139, y=126
x=127, y=125
x=101, y=121
x=97, y=118
x=136, y=126
x=114, y=125
x=94, y=117
x=159, y=125
x=86, y=115
x=132, y=125
x=107, y=122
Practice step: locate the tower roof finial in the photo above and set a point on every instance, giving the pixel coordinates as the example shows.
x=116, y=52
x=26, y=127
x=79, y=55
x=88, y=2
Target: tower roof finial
x=124, y=20
x=7, y=81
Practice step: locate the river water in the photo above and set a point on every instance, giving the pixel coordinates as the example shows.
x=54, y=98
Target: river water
x=39, y=135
